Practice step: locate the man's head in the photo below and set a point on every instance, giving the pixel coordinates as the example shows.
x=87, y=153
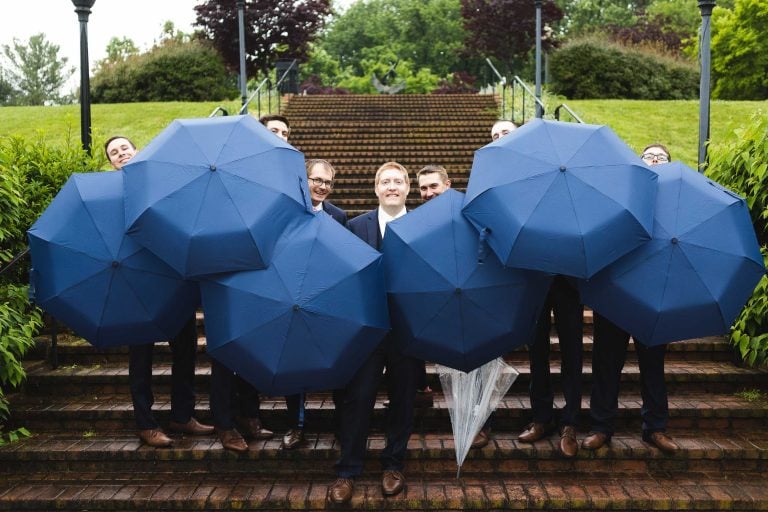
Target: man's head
x=655, y=154
x=119, y=151
x=277, y=124
x=392, y=185
x=433, y=181
x=501, y=129
x=320, y=174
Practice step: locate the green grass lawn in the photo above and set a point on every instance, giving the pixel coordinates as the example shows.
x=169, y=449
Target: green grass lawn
x=673, y=123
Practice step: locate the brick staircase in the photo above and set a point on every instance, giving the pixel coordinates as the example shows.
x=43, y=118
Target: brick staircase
x=84, y=454
x=358, y=133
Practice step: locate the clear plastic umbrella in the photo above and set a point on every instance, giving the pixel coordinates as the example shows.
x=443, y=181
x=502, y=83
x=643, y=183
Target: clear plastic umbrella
x=472, y=397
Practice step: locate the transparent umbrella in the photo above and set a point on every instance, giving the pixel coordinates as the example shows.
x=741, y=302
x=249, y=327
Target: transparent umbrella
x=472, y=397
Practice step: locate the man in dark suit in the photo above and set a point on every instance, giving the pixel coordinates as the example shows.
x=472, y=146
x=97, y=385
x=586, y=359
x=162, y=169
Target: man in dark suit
x=392, y=185
x=119, y=151
x=320, y=175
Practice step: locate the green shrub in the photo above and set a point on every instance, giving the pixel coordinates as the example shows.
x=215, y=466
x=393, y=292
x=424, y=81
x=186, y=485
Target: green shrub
x=595, y=68
x=174, y=71
x=741, y=164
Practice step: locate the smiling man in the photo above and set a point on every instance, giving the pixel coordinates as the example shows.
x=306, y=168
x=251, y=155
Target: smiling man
x=433, y=181
x=277, y=124
x=119, y=151
x=320, y=175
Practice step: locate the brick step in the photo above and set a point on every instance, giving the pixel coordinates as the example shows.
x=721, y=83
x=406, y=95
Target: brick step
x=362, y=143
x=404, y=128
x=111, y=378
x=688, y=410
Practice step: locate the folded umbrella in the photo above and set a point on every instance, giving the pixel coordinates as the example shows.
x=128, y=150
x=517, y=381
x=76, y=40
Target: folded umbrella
x=214, y=195
x=309, y=320
x=88, y=274
x=445, y=305
x=564, y=198
x=694, y=276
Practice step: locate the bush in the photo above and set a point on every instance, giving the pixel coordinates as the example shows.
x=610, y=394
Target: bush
x=174, y=71
x=741, y=164
x=595, y=68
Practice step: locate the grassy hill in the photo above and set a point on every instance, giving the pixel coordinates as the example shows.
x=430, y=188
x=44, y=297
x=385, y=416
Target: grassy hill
x=673, y=123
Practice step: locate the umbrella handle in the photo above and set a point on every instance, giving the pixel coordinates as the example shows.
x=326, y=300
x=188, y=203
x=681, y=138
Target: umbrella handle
x=482, y=246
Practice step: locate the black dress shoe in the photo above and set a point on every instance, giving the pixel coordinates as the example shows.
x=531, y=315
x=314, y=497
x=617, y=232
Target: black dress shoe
x=340, y=491
x=392, y=482
x=293, y=438
x=595, y=440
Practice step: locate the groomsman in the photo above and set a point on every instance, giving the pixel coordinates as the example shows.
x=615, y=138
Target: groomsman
x=392, y=185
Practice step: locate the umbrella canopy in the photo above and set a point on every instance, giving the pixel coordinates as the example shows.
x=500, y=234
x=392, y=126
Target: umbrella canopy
x=694, y=276
x=214, y=195
x=309, y=320
x=565, y=198
x=445, y=305
x=101, y=283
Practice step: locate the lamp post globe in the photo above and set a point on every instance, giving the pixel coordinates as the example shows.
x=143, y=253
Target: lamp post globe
x=83, y=10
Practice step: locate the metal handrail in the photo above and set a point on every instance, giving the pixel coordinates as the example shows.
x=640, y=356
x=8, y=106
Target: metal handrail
x=217, y=110
x=14, y=260
x=517, y=81
x=244, y=108
x=503, y=82
x=570, y=112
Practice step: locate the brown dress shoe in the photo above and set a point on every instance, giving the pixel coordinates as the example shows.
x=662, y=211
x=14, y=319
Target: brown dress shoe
x=340, y=491
x=293, y=438
x=232, y=440
x=662, y=441
x=155, y=438
x=595, y=440
x=535, y=432
x=192, y=427
x=392, y=482
x=481, y=439
x=253, y=429
x=569, y=447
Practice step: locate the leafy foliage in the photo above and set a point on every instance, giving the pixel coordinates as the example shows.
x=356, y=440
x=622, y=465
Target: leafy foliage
x=173, y=71
x=740, y=51
x=274, y=29
x=594, y=68
x=35, y=73
x=741, y=164
x=417, y=80
x=590, y=16
x=460, y=83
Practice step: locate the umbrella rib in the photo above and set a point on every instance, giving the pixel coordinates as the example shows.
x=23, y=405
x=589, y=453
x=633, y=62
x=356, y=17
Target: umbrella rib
x=699, y=223
x=104, y=308
x=711, y=293
x=95, y=225
x=138, y=298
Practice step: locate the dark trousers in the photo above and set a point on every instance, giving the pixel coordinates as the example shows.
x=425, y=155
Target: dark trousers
x=183, y=353
x=296, y=410
x=231, y=396
x=564, y=300
x=358, y=399
x=608, y=357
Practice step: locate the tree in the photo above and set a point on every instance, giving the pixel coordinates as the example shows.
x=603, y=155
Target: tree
x=6, y=90
x=588, y=16
x=36, y=71
x=273, y=29
x=740, y=51
x=118, y=50
x=505, y=29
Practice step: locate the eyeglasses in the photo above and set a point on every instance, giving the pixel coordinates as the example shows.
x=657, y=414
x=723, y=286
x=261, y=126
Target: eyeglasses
x=320, y=181
x=659, y=157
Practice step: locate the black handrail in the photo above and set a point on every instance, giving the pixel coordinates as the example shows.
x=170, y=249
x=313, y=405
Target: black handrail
x=244, y=108
x=14, y=260
x=570, y=112
x=518, y=82
x=223, y=111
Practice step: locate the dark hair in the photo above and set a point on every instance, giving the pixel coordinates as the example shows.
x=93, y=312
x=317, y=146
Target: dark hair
x=662, y=146
x=274, y=117
x=109, y=141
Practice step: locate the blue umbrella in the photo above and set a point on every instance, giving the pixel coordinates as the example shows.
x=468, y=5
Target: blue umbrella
x=445, y=305
x=696, y=273
x=214, y=195
x=564, y=198
x=87, y=273
x=306, y=322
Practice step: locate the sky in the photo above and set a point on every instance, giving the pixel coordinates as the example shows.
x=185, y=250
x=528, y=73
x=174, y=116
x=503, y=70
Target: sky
x=142, y=23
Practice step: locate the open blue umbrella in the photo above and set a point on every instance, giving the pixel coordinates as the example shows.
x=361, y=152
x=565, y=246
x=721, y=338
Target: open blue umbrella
x=694, y=276
x=214, y=195
x=87, y=273
x=564, y=198
x=309, y=320
x=445, y=305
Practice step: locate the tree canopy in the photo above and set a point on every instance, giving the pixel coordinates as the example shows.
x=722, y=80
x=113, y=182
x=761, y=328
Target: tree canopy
x=35, y=72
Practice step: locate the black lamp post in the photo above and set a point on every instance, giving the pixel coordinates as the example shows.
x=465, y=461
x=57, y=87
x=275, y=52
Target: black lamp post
x=83, y=10
x=706, y=7
x=243, y=82
x=539, y=113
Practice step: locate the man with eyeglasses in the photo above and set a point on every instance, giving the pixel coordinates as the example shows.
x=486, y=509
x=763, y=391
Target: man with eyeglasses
x=392, y=185
x=608, y=356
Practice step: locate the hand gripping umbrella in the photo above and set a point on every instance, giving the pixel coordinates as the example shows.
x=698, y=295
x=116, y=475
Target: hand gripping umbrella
x=101, y=283
x=694, y=276
x=558, y=197
x=214, y=195
x=309, y=320
x=445, y=305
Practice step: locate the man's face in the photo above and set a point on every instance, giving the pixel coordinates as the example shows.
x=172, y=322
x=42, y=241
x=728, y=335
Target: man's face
x=320, y=183
x=392, y=189
x=502, y=129
x=432, y=185
x=119, y=152
x=278, y=128
x=655, y=155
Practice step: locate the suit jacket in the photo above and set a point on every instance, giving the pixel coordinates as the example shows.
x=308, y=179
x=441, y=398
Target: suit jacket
x=334, y=211
x=366, y=227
